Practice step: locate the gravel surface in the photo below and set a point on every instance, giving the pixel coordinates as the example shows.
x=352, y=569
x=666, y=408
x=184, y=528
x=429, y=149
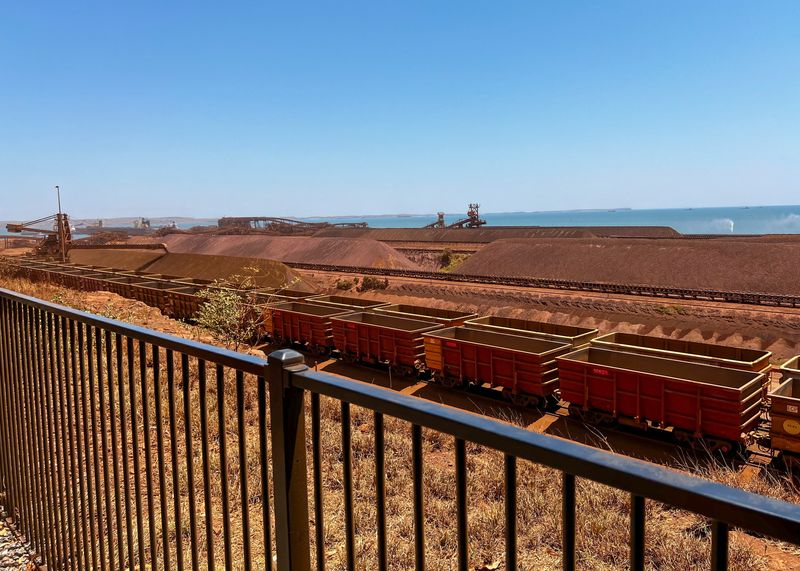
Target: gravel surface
x=14, y=553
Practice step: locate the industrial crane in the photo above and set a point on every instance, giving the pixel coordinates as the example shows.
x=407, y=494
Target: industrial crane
x=473, y=220
x=55, y=241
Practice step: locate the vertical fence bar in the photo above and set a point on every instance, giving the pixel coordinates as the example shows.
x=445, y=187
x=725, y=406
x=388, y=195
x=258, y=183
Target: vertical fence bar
x=26, y=516
x=22, y=502
x=173, y=446
x=201, y=370
x=137, y=470
x=245, y=496
x=461, y=504
x=77, y=373
x=49, y=445
x=223, y=467
x=316, y=456
x=11, y=483
x=263, y=454
x=511, y=511
x=287, y=412
x=52, y=405
x=380, y=491
x=91, y=334
x=174, y=458
x=115, y=373
x=84, y=340
x=5, y=400
x=17, y=502
x=39, y=458
x=568, y=521
x=347, y=473
x=148, y=457
x=419, y=503
x=187, y=429
x=63, y=374
x=719, y=545
x=70, y=385
x=162, y=477
x=109, y=528
x=123, y=423
x=637, y=533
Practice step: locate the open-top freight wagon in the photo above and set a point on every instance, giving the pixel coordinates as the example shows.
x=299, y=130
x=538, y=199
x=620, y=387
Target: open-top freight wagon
x=447, y=317
x=785, y=414
x=375, y=338
x=524, y=367
x=347, y=302
x=717, y=405
x=303, y=323
x=706, y=353
x=575, y=336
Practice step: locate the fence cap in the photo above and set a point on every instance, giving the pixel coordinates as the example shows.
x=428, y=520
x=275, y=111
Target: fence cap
x=286, y=357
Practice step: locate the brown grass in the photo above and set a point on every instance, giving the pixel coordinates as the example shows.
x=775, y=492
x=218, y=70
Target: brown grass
x=675, y=539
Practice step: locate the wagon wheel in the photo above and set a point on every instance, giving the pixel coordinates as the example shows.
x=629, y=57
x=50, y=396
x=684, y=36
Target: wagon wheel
x=681, y=435
x=451, y=382
x=575, y=411
x=397, y=370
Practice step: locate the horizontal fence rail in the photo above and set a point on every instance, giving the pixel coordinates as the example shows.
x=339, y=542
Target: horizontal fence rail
x=123, y=448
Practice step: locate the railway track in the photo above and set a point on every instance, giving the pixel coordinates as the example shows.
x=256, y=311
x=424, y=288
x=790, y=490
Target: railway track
x=739, y=297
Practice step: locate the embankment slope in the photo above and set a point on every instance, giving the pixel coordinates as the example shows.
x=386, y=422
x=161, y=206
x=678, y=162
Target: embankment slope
x=735, y=264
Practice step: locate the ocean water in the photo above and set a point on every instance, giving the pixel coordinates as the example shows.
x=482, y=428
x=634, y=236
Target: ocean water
x=724, y=220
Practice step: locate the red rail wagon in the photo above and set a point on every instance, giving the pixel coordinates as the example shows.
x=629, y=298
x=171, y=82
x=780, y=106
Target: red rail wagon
x=448, y=317
x=717, y=404
x=524, y=367
x=575, y=336
x=184, y=301
x=348, y=302
x=785, y=414
x=124, y=285
x=375, y=338
x=706, y=353
x=303, y=323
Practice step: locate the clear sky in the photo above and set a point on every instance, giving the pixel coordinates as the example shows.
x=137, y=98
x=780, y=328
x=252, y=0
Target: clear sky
x=340, y=107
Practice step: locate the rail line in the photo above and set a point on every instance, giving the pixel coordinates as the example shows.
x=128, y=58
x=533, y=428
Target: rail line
x=740, y=297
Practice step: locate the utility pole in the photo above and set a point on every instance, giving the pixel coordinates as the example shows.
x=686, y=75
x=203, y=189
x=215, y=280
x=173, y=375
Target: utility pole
x=61, y=233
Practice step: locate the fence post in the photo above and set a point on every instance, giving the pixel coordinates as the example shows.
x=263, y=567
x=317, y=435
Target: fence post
x=287, y=422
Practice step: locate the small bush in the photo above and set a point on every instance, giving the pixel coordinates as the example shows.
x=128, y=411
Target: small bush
x=369, y=283
x=344, y=284
x=230, y=311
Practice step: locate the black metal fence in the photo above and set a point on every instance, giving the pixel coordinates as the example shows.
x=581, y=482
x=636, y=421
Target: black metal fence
x=123, y=448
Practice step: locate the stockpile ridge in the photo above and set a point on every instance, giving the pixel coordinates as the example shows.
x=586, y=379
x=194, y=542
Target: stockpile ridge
x=300, y=249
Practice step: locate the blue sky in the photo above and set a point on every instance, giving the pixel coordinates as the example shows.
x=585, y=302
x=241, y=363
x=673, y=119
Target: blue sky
x=337, y=107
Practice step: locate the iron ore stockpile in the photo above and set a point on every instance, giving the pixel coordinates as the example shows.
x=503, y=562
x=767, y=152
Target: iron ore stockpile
x=300, y=249
x=265, y=273
x=728, y=264
x=485, y=235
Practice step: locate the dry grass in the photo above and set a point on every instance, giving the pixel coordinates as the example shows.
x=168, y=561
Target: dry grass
x=675, y=539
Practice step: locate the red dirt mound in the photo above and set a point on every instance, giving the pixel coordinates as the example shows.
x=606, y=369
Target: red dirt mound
x=265, y=273
x=118, y=259
x=308, y=250
x=736, y=264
